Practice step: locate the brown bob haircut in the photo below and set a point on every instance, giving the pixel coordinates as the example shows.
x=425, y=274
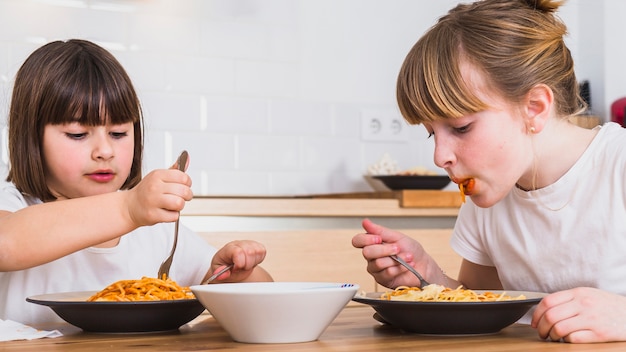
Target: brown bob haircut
x=514, y=44
x=65, y=82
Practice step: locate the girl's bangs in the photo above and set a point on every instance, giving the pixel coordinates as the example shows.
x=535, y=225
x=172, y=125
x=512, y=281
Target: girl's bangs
x=98, y=109
x=90, y=99
x=430, y=85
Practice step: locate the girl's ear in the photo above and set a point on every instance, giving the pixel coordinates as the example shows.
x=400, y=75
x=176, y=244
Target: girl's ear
x=538, y=107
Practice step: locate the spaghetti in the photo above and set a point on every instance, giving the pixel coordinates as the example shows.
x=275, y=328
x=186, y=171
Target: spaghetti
x=465, y=187
x=461, y=188
x=438, y=293
x=146, y=289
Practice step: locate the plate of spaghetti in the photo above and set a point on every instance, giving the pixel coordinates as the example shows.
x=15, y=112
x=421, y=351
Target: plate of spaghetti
x=126, y=306
x=437, y=310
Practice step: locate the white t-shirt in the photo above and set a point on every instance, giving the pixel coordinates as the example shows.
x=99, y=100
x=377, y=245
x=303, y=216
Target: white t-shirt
x=139, y=253
x=569, y=234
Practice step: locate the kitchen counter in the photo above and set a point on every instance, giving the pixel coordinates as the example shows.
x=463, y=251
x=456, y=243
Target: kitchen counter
x=406, y=209
x=314, y=232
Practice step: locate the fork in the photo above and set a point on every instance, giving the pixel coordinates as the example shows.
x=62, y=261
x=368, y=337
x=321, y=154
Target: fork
x=214, y=276
x=423, y=282
x=164, y=269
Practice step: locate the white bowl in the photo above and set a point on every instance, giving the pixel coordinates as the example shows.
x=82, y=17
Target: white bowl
x=275, y=312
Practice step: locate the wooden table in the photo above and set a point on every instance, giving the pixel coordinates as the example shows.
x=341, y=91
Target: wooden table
x=353, y=330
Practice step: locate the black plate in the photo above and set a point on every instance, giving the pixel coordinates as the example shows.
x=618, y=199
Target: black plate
x=399, y=182
x=451, y=318
x=120, y=317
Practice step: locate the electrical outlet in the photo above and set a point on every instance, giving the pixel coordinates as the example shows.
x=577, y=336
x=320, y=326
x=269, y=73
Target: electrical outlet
x=383, y=126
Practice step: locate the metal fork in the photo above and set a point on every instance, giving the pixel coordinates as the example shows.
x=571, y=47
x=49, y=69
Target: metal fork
x=411, y=269
x=164, y=269
x=214, y=276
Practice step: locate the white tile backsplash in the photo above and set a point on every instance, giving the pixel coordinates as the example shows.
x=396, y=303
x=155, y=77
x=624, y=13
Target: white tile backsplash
x=310, y=183
x=266, y=95
x=234, y=183
x=254, y=90
x=207, y=152
x=164, y=34
x=260, y=11
x=146, y=70
x=235, y=39
x=267, y=153
x=6, y=79
x=300, y=118
x=200, y=74
x=154, y=155
x=330, y=155
x=266, y=79
x=344, y=118
x=250, y=41
x=236, y=115
x=172, y=111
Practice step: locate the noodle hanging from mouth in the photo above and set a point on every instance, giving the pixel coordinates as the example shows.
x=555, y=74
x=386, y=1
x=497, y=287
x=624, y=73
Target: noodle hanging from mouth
x=461, y=188
x=465, y=187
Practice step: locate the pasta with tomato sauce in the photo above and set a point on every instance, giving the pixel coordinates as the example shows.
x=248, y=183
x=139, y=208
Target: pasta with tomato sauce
x=145, y=289
x=438, y=293
x=466, y=187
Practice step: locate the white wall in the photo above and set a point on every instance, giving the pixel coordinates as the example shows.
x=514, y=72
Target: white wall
x=612, y=53
x=267, y=95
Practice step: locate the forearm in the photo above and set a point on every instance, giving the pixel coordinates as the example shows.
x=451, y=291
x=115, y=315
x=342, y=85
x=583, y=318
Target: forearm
x=44, y=232
x=259, y=275
x=474, y=276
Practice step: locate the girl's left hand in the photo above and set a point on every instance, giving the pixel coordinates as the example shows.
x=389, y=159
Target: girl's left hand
x=245, y=255
x=581, y=315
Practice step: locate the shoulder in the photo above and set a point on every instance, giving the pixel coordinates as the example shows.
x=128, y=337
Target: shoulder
x=612, y=134
x=608, y=148
x=7, y=187
x=12, y=199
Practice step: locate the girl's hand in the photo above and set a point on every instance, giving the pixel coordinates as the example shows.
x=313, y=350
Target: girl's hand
x=159, y=197
x=581, y=315
x=245, y=256
x=379, y=242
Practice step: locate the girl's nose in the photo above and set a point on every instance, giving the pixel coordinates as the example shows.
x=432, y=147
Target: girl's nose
x=444, y=156
x=102, y=148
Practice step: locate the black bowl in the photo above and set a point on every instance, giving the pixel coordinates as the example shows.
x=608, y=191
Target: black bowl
x=399, y=182
x=451, y=318
x=120, y=317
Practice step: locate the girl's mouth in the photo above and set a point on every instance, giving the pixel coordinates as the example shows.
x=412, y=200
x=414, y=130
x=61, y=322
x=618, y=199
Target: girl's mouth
x=101, y=177
x=467, y=188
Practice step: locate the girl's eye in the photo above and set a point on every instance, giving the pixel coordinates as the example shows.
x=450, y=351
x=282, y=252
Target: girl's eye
x=430, y=134
x=462, y=129
x=118, y=135
x=76, y=136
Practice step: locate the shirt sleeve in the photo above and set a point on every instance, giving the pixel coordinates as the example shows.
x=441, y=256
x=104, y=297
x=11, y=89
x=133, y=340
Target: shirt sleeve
x=10, y=198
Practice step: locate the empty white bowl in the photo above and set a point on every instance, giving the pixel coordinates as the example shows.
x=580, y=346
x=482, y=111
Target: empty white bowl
x=275, y=312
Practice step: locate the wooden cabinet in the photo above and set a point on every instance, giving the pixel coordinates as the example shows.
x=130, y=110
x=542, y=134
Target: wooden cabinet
x=310, y=239
x=328, y=255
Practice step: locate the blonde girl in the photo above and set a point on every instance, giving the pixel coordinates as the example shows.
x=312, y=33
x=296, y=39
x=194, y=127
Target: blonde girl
x=494, y=85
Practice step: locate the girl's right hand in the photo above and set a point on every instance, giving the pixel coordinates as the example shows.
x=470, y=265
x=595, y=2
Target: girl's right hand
x=378, y=243
x=159, y=197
